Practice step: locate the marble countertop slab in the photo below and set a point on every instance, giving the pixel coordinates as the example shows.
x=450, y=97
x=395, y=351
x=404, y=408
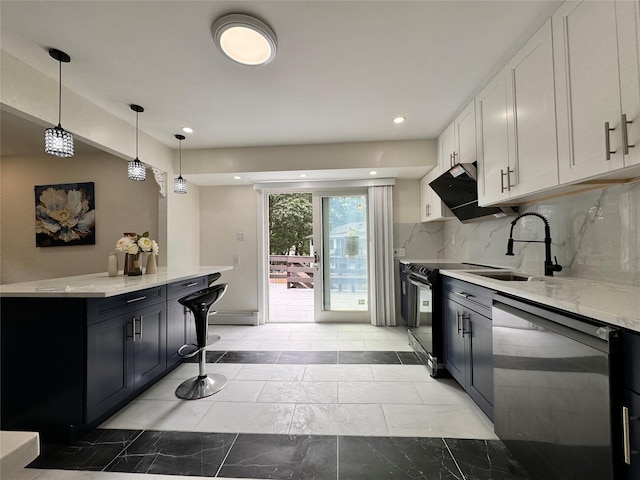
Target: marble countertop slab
x=100, y=285
x=610, y=303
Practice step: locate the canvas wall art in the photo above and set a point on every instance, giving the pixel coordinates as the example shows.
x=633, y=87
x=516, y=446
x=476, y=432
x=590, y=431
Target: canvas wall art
x=65, y=214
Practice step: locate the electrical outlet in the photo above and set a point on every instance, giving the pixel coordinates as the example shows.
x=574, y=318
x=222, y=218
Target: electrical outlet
x=240, y=236
x=236, y=260
x=453, y=239
x=398, y=252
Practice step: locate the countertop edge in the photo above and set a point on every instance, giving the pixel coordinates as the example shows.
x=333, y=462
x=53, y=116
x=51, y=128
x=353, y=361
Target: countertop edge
x=613, y=304
x=100, y=285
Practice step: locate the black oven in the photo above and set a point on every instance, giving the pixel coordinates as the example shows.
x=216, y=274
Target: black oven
x=425, y=310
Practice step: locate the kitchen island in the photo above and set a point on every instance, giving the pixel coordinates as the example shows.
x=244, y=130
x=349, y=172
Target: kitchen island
x=76, y=349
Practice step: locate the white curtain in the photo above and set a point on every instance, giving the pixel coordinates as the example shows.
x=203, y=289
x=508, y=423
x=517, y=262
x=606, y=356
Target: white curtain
x=381, y=265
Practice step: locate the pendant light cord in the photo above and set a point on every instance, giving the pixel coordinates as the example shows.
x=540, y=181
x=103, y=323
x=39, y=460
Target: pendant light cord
x=137, y=113
x=180, y=149
x=59, y=93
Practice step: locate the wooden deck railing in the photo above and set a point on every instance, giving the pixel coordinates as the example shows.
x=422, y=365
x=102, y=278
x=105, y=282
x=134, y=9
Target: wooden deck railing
x=297, y=270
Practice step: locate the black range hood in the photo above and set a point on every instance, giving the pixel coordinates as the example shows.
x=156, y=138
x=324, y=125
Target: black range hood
x=458, y=189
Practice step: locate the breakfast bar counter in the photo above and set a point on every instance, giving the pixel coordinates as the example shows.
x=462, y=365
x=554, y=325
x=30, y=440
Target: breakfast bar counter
x=76, y=349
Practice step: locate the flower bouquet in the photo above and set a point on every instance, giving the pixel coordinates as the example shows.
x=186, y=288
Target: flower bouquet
x=133, y=245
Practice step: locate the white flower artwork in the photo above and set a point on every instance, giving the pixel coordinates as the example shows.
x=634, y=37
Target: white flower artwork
x=65, y=214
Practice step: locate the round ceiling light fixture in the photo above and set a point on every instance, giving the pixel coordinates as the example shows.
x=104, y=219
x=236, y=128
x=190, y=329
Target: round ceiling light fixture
x=244, y=39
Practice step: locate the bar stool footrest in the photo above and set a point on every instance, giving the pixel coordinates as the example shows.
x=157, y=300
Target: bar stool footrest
x=188, y=350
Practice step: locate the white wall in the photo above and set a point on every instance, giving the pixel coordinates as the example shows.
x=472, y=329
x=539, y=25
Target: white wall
x=406, y=201
x=121, y=206
x=224, y=212
x=183, y=219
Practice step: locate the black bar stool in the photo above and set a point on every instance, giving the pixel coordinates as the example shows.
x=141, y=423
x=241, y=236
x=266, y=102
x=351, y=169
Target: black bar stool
x=203, y=385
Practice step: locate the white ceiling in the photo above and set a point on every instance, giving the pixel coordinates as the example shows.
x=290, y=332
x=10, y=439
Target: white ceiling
x=343, y=70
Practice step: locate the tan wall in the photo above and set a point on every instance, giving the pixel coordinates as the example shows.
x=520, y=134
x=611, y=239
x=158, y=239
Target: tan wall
x=121, y=206
x=406, y=201
x=224, y=212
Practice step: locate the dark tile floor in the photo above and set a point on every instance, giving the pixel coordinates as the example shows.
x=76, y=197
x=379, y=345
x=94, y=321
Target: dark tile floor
x=312, y=358
x=301, y=457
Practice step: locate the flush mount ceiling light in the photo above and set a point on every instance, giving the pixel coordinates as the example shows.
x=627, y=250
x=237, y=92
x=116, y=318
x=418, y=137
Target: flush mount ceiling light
x=136, y=169
x=57, y=141
x=180, y=184
x=187, y=129
x=399, y=119
x=244, y=39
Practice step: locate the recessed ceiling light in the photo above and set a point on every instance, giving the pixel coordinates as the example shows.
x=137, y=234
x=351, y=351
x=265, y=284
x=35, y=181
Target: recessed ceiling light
x=187, y=129
x=303, y=175
x=373, y=172
x=398, y=120
x=244, y=39
x=237, y=177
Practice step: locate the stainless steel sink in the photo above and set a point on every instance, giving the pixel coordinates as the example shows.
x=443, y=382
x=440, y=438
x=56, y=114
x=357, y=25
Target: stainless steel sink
x=504, y=276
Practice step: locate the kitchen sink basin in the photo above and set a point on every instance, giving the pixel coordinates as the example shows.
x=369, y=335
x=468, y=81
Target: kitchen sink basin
x=505, y=276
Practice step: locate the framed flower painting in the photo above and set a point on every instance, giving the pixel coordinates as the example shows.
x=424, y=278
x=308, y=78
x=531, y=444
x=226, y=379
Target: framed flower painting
x=65, y=214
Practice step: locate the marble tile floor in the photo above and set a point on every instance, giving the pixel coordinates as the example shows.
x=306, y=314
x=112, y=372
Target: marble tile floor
x=346, y=393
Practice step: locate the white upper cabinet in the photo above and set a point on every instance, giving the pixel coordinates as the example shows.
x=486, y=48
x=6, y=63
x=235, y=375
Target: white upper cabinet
x=596, y=75
x=516, y=125
x=446, y=147
x=493, y=141
x=457, y=143
x=465, y=135
x=432, y=207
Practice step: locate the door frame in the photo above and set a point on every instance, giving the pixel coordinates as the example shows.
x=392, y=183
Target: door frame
x=263, y=190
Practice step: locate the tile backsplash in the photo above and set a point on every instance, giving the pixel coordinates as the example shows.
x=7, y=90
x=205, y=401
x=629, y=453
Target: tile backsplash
x=595, y=235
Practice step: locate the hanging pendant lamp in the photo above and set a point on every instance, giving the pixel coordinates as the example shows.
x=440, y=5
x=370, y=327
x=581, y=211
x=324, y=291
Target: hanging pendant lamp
x=57, y=141
x=179, y=183
x=136, y=169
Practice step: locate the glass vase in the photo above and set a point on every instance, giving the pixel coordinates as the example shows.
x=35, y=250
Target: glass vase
x=133, y=265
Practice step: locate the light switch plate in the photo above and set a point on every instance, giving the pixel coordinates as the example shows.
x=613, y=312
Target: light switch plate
x=398, y=252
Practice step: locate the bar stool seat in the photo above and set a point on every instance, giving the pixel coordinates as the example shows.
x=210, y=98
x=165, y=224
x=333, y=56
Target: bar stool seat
x=200, y=304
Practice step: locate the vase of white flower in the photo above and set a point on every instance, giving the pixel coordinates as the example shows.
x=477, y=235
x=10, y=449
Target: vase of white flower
x=132, y=264
x=133, y=245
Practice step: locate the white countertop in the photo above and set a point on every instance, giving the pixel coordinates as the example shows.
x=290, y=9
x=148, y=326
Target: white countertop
x=98, y=285
x=614, y=304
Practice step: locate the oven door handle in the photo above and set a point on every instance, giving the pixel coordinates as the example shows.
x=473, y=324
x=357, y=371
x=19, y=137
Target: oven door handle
x=418, y=283
x=462, y=294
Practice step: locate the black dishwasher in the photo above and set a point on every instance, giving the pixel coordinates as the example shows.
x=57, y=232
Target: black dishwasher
x=552, y=391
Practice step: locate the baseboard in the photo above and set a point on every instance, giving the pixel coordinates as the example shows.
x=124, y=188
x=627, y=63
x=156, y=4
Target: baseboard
x=234, y=318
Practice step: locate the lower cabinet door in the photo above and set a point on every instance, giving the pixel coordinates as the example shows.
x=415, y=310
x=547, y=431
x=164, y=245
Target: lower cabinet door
x=150, y=343
x=479, y=379
x=454, y=350
x=109, y=364
x=176, y=330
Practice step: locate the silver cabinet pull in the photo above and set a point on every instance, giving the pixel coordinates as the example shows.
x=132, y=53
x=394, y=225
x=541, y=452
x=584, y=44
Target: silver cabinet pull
x=192, y=284
x=454, y=155
x=140, y=333
x=509, y=172
x=626, y=441
x=463, y=294
x=451, y=159
x=468, y=318
x=133, y=329
x=137, y=299
x=458, y=321
x=502, y=175
x=607, y=141
x=625, y=135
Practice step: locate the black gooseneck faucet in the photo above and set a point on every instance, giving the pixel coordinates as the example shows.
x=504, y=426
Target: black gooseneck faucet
x=549, y=266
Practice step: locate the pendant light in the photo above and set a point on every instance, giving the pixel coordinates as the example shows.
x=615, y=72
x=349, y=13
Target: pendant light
x=136, y=169
x=180, y=184
x=57, y=141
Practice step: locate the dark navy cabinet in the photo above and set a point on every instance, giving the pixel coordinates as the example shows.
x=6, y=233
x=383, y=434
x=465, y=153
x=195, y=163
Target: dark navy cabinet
x=68, y=363
x=468, y=345
x=631, y=403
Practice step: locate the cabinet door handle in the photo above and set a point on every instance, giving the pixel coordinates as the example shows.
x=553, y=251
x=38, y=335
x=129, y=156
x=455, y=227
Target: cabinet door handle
x=451, y=159
x=192, y=284
x=509, y=172
x=454, y=155
x=625, y=134
x=502, y=175
x=626, y=441
x=133, y=329
x=137, y=299
x=463, y=294
x=140, y=332
x=607, y=141
x=468, y=318
x=458, y=322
